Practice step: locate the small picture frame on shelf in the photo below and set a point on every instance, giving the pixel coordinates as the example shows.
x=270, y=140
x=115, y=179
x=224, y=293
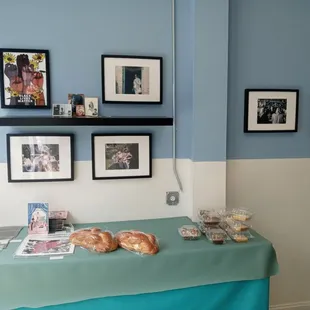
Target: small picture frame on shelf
x=40, y=157
x=24, y=79
x=91, y=107
x=80, y=110
x=132, y=79
x=74, y=100
x=271, y=110
x=62, y=110
x=121, y=156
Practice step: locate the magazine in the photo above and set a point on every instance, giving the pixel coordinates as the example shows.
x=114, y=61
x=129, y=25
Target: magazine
x=37, y=218
x=44, y=246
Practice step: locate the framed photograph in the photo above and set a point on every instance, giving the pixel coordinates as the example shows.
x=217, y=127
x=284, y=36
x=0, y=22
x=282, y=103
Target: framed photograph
x=24, y=79
x=132, y=79
x=121, y=156
x=62, y=110
x=74, y=100
x=91, y=107
x=38, y=218
x=40, y=157
x=271, y=110
x=80, y=110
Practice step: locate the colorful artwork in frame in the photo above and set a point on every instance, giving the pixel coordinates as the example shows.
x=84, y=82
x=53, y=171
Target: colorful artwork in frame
x=24, y=79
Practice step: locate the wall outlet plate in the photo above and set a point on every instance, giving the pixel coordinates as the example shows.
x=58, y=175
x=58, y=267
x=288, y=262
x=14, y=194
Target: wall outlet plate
x=172, y=198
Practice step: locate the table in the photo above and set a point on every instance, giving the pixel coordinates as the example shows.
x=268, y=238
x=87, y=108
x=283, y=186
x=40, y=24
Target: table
x=183, y=272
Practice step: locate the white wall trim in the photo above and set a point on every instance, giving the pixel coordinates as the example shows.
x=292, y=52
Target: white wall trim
x=303, y=305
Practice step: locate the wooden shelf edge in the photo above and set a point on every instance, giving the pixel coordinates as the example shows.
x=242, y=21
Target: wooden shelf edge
x=85, y=121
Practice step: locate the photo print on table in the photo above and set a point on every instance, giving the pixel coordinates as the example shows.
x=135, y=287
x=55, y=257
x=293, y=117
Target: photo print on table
x=132, y=79
x=40, y=157
x=121, y=156
x=38, y=218
x=24, y=78
x=91, y=107
x=271, y=110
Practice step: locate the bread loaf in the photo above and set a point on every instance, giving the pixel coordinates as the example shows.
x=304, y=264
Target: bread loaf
x=137, y=241
x=94, y=240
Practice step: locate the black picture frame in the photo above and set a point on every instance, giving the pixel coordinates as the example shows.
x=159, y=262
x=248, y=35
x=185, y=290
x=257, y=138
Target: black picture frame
x=20, y=180
x=11, y=74
x=266, y=122
x=131, y=98
x=111, y=137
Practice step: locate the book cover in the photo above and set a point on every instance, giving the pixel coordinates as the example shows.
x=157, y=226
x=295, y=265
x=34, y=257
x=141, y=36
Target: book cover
x=37, y=218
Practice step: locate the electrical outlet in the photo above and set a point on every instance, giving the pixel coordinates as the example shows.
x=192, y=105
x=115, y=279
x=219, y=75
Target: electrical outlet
x=172, y=198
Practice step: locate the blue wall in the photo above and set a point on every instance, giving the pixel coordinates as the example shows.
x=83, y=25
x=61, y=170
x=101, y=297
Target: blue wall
x=269, y=48
x=77, y=32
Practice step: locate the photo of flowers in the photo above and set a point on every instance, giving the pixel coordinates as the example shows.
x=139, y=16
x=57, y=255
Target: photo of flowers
x=24, y=79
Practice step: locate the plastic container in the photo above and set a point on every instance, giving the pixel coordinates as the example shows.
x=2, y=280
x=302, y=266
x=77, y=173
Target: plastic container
x=209, y=217
x=216, y=235
x=189, y=232
x=241, y=215
x=239, y=237
x=237, y=226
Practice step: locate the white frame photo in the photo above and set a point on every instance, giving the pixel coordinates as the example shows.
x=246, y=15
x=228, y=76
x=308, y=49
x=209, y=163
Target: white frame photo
x=52, y=165
x=132, y=79
x=91, y=112
x=271, y=110
x=111, y=151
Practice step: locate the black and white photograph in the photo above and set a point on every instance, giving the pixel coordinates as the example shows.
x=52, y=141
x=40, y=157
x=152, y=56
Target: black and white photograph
x=62, y=110
x=44, y=246
x=41, y=157
x=121, y=156
x=132, y=79
x=271, y=110
x=91, y=107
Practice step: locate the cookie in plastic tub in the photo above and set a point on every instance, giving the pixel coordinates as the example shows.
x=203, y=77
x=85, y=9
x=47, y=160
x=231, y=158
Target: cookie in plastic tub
x=239, y=237
x=94, y=240
x=189, y=232
x=209, y=217
x=216, y=235
x=242, y=215
x=138, y=242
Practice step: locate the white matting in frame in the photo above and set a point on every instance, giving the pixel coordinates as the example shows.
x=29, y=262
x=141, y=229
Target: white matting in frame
x=271, y=110
x=121, y=156
x=132, y=79
x=35, y=158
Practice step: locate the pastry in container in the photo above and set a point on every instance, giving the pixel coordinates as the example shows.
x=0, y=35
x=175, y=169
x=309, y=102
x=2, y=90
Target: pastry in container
x=209, y=217
x=216, y=235
x=241, y=215
x=189, y=232
x=239, y=237
x=138, y=242
x=94, y=240
x=237, y=226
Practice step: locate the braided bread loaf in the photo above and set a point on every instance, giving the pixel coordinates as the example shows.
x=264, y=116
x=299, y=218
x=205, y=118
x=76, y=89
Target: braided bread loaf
x=137, y=241
x=94, y=240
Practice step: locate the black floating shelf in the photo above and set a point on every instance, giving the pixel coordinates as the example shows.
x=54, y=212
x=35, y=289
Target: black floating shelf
x=86, y=121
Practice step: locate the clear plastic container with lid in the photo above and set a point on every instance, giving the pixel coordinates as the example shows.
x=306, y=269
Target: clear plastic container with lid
x=241, y=215
x=209, y=217
x=236, y=225
x=216, y=235
x=189, y=232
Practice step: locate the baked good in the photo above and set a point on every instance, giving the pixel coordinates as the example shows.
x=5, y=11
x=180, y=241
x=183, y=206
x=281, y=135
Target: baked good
x=189, y=232
x=137, y=241
x=94, y=239
x=240, y=238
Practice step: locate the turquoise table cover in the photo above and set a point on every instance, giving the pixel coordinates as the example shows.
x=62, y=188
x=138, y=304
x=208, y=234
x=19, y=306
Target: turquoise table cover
x=38, y=282
x=242, y=295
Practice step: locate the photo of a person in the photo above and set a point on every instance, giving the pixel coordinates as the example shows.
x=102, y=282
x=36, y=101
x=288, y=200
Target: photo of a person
x=122, y=156
x=137, y=85
x=271, y=111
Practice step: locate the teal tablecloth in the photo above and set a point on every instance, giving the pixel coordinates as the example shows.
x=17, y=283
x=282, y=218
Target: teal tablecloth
x=38, y=282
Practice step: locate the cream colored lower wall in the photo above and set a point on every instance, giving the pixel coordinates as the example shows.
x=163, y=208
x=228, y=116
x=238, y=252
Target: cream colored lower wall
x=278, y=191
x=118, y=200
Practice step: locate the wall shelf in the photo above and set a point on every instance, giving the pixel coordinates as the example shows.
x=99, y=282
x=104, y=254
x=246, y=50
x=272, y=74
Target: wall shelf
x=85, y=121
